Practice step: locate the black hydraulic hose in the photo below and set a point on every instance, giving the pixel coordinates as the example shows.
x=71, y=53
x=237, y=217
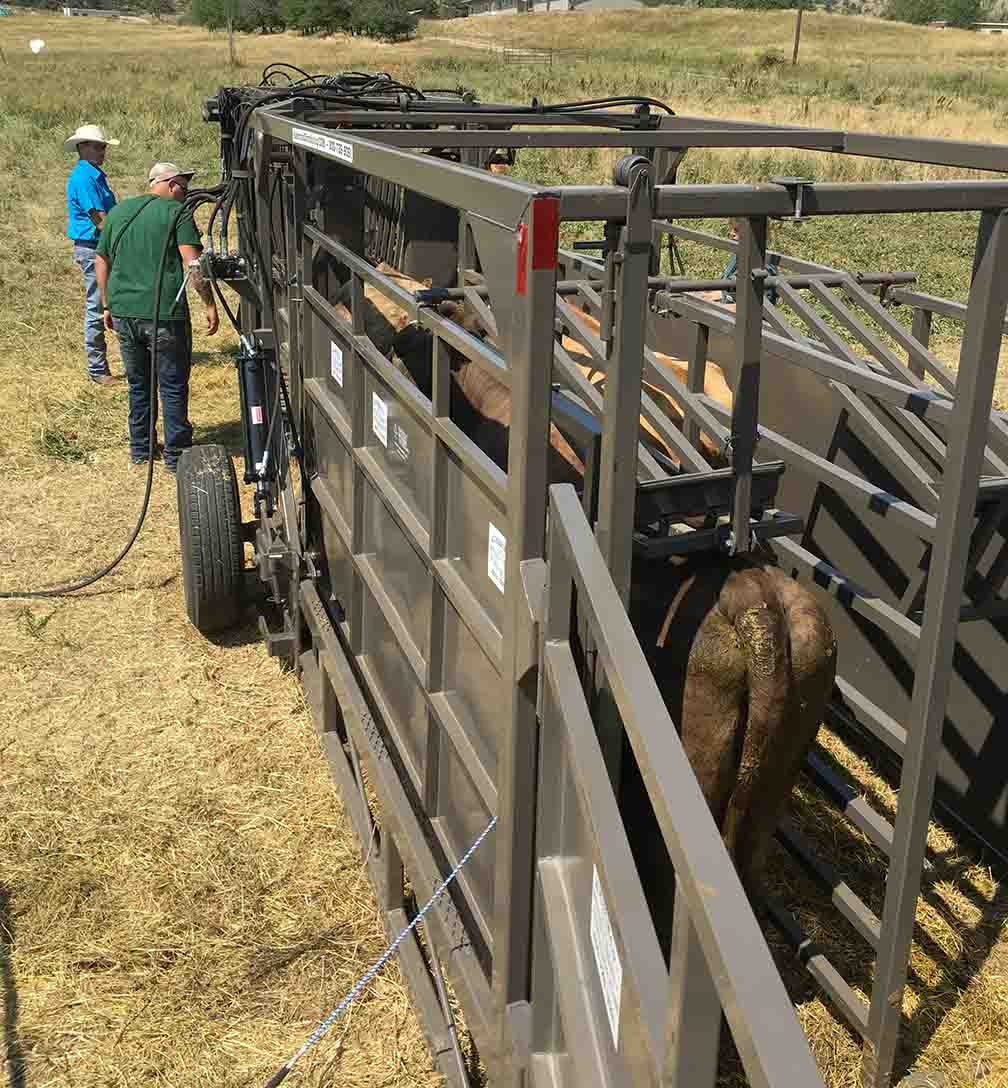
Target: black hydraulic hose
x=266, y=278
x=232, y=317
x=618, y=100
x=278, y=66
x=83, y=583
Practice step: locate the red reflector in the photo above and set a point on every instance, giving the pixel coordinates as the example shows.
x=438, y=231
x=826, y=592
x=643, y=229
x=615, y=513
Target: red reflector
x=545, y=232
x=521, y=276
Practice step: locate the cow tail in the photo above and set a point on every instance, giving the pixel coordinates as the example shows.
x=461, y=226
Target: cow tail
x=751, y=604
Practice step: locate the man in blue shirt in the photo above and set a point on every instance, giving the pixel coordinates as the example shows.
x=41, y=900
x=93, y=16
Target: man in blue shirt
x=731, y=268
x=89, y=200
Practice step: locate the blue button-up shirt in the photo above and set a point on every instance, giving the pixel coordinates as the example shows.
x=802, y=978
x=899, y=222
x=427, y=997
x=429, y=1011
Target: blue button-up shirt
x=732, y=268
x=87, y=188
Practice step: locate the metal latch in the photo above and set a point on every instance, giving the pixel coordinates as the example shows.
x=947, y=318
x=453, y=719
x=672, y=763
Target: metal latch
x=796, y=190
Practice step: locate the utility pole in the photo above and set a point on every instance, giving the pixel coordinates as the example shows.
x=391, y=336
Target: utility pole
x=231, y=45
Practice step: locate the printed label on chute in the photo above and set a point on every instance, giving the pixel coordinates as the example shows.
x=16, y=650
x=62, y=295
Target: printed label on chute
x=320, y=141
x=607, y=961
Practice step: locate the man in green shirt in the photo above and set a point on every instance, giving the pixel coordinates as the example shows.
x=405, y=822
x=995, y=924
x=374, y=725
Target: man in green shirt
x=127, y=262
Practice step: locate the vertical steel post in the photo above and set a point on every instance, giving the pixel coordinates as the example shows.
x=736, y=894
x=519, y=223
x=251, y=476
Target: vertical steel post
x=693, y=1022
x=295, y=280
x=696, y=374
x=306, y=251
x=748, y=346
x=262, y=148
x=621, y=429
x=439, y=488
x=464, y=249
x=921, y=332
x=531, y=373
x=358, y=430
x=293, y=211
x=968, y=434
x=624, y=367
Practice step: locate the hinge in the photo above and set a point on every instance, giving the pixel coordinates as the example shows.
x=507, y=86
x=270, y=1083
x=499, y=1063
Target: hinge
x=533, y=576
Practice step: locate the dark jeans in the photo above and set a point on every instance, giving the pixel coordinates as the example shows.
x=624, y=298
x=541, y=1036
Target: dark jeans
x=174, y=357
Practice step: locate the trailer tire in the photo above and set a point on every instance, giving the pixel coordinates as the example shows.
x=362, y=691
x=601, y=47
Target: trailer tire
x=210, y=537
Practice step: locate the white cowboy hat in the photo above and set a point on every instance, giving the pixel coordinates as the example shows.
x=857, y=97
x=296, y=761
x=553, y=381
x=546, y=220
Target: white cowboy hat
x=88, y=133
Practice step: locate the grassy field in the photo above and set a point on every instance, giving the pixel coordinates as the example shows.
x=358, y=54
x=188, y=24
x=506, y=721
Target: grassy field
x=180, y=895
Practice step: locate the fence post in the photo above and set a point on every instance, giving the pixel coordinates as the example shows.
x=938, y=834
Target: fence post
x=797, y=38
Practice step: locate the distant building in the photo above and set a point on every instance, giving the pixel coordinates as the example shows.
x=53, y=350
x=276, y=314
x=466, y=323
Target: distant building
x=513, y=7
x=492, y=7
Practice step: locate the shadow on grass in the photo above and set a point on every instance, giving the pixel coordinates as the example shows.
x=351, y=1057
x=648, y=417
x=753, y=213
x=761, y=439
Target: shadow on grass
x=244, y=633
x=862, y=866
x=229, y=435
x=15, y=1056
x=223, y=357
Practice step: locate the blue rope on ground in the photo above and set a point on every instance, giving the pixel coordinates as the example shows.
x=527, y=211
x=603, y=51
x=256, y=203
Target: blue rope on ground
x=379, y=963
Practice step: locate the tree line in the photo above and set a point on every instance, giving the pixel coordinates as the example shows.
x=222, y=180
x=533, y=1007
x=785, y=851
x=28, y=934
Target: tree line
x=388, y=20
x=396, y=20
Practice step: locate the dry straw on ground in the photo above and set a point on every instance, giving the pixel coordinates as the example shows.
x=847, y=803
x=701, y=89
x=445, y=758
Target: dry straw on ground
x=181, y=898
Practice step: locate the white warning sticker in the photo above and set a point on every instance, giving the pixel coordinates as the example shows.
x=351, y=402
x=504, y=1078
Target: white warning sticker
x=497, y=557
x=336, y=362
x=610, y=970
x=256, y=412
x=324, y=143
x=379, y=419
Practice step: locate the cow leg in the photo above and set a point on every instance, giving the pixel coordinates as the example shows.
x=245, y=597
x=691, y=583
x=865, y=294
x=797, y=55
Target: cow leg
x=713, y=710
x=750, y=605
x=700, y=670
x=792, y=666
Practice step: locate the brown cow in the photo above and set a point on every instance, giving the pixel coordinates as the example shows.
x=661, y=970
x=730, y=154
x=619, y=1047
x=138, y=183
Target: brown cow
x=715, y=385
x=387, y=324
x=745, y=660
x=383, y=319
x=744, y=657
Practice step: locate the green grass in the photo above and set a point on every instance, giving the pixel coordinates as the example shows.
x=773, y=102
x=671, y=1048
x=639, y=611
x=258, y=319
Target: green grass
x=74, y=429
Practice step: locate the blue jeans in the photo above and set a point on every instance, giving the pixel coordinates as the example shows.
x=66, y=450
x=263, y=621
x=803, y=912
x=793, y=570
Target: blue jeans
x=174, y=357
x=94, y=330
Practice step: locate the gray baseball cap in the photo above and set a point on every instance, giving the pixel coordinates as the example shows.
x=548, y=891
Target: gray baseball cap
x=165, y=171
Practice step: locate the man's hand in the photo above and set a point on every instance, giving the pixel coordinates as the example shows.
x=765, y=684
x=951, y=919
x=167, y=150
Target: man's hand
x=212, y=321
x=107, y=316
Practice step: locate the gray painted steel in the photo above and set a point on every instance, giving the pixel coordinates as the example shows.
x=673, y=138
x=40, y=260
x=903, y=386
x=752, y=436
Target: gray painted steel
x=426, y=594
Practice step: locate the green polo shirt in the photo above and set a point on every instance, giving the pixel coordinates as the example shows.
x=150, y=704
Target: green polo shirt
x=135, y=232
